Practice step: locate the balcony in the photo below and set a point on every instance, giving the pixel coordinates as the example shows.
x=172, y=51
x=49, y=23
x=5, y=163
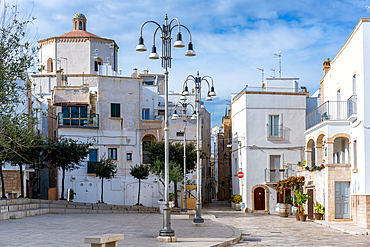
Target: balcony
x=91, y=166
x=272, y=176
x=332, y=110
x=78, y=120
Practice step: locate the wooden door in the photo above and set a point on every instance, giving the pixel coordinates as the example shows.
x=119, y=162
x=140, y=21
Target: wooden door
x=310, y=203
x=259, y=199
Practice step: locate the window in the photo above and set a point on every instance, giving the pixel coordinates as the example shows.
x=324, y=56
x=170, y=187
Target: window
x=129, y=156
x=80, y=26
x=115, y=110
x=274, y=168
x=93, y=160
x=355, y=154
x=112, y=153
x=75, y=115
x=354, y=84
x=180, y=133
x=49, y=65
x=97, y=62
x=145, y=114
x=273, y=124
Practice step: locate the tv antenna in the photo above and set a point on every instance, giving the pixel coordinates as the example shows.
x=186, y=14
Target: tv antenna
x=262, y=72
x=273, y=70
x=278, y=56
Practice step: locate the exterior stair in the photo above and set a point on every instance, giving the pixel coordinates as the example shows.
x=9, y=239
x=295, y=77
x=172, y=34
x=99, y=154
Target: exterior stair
x=24, y=207
x=19, y=208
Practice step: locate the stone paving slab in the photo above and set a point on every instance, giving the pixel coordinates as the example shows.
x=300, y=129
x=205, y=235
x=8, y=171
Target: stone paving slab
x=272, y=230
x=139, y=230
x=346, y=227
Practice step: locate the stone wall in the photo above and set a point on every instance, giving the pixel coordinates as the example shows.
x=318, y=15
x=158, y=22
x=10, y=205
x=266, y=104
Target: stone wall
x=360, y=210
x=11, y=180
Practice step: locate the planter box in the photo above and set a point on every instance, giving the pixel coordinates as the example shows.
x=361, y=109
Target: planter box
x=297, y=217
x=302, y=217
x=237, y=207
x=161, y=206
x=233, y=205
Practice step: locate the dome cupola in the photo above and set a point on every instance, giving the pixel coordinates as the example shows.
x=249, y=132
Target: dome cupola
x=79, y=22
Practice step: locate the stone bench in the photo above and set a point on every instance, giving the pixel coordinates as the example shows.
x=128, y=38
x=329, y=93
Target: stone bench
x=104, y=240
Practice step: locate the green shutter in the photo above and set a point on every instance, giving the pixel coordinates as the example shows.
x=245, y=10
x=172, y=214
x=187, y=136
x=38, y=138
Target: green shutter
x=115, y=110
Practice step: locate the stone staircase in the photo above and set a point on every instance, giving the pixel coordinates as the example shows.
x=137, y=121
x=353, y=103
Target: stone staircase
x=19, y=208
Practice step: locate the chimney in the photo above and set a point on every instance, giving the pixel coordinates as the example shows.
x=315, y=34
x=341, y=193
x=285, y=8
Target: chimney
x=134, y=73
x=326, y=66
x=59, y=78
x=145, y=71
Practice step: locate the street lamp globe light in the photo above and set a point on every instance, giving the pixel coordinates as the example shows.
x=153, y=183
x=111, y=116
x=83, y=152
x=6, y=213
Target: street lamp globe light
x=141, y=46
x=190, y=52
x=154, y=54
x=179, y=43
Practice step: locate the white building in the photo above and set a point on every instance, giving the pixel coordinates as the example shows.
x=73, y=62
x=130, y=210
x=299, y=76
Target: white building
x=337, y=133
x=90, y=100
x=267, y=140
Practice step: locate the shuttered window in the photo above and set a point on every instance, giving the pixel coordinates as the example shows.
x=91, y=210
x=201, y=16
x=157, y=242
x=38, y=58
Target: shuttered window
x=115, y=110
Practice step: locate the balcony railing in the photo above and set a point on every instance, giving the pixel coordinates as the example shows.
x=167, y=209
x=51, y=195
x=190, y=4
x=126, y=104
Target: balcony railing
x=91, y=167
x=275, y=175
x=78, y=119
x=332, y=110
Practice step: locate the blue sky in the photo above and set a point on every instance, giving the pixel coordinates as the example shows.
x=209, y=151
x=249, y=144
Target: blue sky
x=231, y=37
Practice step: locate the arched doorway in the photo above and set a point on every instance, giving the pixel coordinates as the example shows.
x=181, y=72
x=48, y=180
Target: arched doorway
x=260, y=199
x=147, y=140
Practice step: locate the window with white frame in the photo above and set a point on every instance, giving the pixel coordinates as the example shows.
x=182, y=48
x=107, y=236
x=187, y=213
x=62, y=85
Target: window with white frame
x=355, y=154
x=112, y=153
x=273, y=126
x=274, y=168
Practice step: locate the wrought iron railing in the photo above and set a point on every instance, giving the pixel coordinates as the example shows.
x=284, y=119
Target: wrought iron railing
x=332, y=110
x=78, y=119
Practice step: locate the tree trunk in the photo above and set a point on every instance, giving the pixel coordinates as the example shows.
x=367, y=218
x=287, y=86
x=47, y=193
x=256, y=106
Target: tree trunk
x=64, y=174
x=175, y=188
x=2, y=181
x=138, y=196
x=102, y=189
x=22, y=185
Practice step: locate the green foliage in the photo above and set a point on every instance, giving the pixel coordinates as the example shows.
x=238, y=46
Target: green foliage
x=71, y=195
x=319, y=208
x=176, y=154
x=106, y=168
x=301, y=199
x=140, y=171
x=238, y=199
x=66, y=154
x=16, y=56
x=289, y=200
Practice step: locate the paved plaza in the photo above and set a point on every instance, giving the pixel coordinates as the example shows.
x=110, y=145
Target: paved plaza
x=272, y=230
x=222, y=226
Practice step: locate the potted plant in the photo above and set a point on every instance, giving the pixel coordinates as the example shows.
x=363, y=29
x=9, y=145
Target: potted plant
x=232, y=201
x=289, y=201
x=319, y=208
x=301, y=200
x=238, y=199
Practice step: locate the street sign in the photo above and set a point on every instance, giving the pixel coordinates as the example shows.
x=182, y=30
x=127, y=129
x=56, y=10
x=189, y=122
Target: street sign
x=240, y=174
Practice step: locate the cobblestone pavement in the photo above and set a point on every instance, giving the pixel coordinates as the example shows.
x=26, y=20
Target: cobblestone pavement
x=272, y=230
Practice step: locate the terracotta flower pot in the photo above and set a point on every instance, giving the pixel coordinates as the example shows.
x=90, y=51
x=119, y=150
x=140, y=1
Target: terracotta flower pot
x=318, y=216
x=302, y=217
x=297, y=217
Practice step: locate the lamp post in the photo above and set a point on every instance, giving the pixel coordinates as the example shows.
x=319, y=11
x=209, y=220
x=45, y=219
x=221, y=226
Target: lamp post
x=166, y=30
x=211, y=92
x=184, y=115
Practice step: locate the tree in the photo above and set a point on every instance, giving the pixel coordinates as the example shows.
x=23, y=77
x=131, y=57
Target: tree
x=106, y=169
x=176, y=165
x=139, y=172
x=16, y=56
x=27, y=146
x=66, y=154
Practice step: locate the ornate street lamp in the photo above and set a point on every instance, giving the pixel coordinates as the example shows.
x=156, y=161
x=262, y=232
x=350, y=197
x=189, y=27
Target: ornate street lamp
x=166, y=234
x=211, y=92
x=175, y=116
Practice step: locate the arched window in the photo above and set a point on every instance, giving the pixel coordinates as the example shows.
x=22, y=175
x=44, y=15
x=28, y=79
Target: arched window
x=98, y=62
x=147, y=140
x=80, y=26
x=49, y=65
x=85, y=26
x=76, y=25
